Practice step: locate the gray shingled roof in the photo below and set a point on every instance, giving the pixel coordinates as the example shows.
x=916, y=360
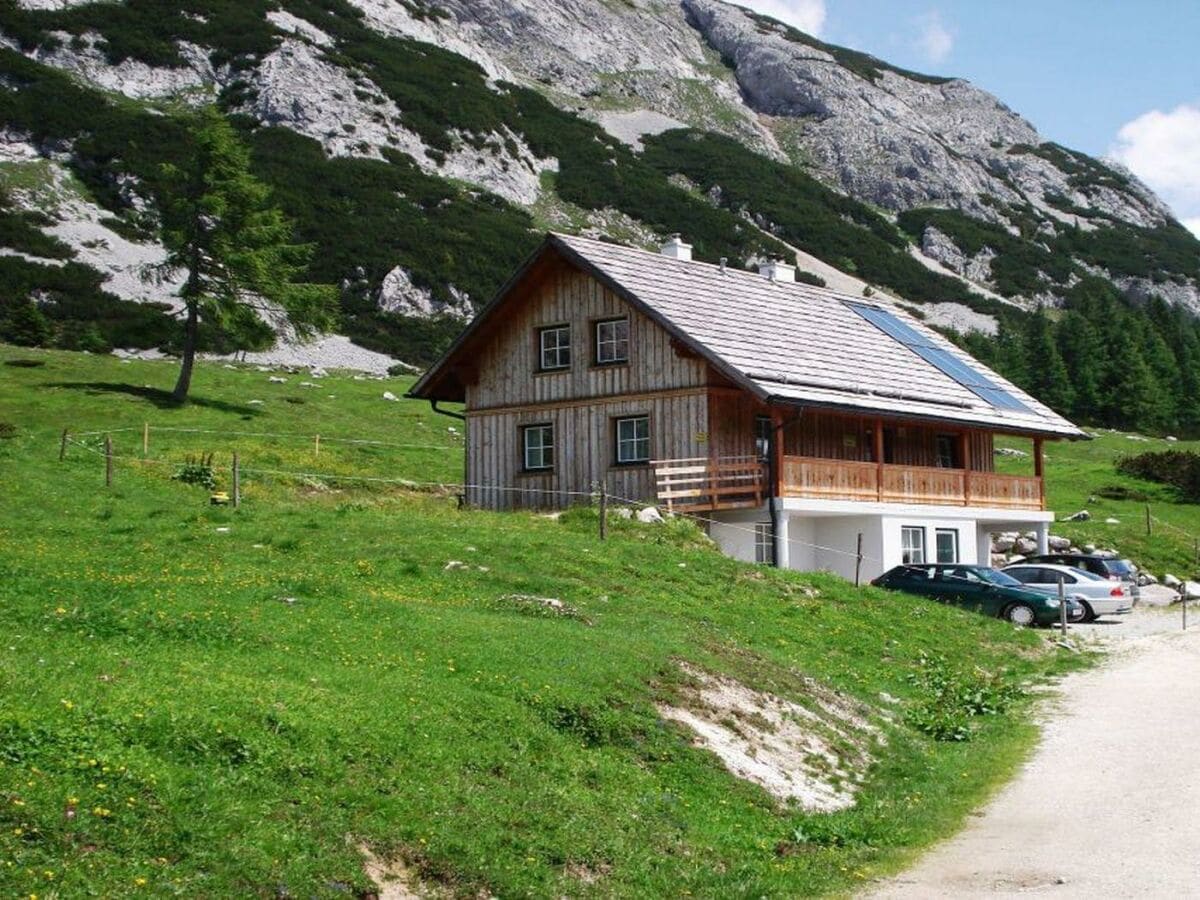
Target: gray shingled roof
x=800, y=343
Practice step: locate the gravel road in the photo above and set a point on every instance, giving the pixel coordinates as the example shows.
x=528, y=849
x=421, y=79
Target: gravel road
x=1107, y=805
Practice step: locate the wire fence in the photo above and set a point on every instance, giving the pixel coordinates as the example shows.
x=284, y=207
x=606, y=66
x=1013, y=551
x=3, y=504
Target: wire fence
x=460, y=488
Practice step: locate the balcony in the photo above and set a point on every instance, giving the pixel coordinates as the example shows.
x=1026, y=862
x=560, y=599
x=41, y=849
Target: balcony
x=740, y=482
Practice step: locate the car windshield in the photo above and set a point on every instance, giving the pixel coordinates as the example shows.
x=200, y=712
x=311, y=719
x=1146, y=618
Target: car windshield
x=1119, y=567
x=993, y=576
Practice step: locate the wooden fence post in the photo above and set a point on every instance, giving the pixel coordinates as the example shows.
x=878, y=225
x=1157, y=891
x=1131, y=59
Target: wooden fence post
x=858, y=558
x=317, y=445
x=603, y=510
x=62, y=451
x=108, y=461
x=237, y=482
x=145, y=439
x=1148, y=529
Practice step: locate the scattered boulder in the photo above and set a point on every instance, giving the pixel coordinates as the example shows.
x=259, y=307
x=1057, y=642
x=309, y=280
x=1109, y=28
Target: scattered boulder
x=1009, y=451
x=276, y=379
x=1089, y=548
x=455, y=564
x=1171, y=581
x=1146, y=578
x=1111, y=521
x=1082, y=516
x=1172, y=438
x=1058, y=543
x=622, y=512
x=1003, y=543
x=1190, y=589
x=1025, y=546
x=388, y=395
x=649, y=516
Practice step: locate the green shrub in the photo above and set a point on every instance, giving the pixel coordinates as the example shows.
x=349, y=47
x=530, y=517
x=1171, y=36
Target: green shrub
x=1178, y=468
x=197, y=470
x=951, y=698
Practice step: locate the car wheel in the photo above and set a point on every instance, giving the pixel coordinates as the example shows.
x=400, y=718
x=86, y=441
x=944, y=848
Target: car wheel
x=1021, y=614
x=1089, y=615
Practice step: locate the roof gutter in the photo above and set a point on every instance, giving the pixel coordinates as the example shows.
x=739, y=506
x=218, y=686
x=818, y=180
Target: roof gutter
x=433, y=404
x=999, y=428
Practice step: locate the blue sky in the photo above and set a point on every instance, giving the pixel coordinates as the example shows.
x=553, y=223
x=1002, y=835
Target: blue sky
x=1109, y=77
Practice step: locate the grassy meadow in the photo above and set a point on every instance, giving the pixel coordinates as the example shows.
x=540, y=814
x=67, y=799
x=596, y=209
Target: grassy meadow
x=201, y=701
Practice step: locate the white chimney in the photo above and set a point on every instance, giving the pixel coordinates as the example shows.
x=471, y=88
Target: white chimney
x=777, y=270
x=676, y=248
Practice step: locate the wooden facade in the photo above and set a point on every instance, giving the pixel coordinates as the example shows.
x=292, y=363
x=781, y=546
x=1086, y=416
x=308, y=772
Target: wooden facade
x=582, y=401
x=697, y=419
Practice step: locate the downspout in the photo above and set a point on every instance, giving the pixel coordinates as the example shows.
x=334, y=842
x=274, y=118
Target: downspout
x=433, y=404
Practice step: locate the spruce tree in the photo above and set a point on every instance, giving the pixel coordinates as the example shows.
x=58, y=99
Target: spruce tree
x=1046, y=376
x=234, y=247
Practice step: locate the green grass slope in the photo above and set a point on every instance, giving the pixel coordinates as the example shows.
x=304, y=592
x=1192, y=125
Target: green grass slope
x=209, y=702
x=1083, y=475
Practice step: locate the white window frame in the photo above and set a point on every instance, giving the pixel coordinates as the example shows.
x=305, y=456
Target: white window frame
x=938, y=534
x=537, y=447
x=633, y=449
x=764, y=543
x=612, y=341
x=912, y=554
x=558, y=352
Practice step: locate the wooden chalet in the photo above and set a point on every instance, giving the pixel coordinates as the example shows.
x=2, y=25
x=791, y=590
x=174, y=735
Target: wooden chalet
x=790, y=417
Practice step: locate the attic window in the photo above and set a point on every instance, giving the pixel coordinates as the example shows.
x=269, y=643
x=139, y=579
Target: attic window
x=612, y=342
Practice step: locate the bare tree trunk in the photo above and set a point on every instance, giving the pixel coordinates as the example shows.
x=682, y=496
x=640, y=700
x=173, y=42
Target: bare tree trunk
x=190, y=332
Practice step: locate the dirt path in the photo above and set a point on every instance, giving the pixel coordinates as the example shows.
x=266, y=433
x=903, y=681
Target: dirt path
x=1109, y=804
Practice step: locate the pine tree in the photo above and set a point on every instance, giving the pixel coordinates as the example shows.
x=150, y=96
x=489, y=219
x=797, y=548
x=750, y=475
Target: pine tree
x=1082, y=353
x=1046, y=376
x=26, y=325
x=235, y=248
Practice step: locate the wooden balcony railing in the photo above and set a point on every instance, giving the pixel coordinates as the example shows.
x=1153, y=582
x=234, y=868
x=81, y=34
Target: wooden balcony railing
x=726, y=482
x=740, y=482
x=835, y=479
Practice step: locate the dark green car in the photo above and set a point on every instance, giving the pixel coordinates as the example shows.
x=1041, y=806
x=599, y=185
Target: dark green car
x=981, y=589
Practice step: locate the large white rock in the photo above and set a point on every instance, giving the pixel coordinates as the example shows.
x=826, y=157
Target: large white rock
x=649, y=516
x=1171, y=581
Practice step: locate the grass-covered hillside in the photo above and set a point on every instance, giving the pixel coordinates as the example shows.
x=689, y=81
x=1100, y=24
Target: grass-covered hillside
x=204, y=701
x=1083, y=475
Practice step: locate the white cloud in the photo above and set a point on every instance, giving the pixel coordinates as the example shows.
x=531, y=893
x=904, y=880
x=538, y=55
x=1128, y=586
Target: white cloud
x=934, y=38
x=1163, y=149
x=807, y=15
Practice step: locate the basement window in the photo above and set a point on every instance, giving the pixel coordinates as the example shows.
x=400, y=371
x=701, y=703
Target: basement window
x=947, y=545
x=912, y=545
x=554, y=348
x=764, y=542
x=538, y=441
x=612, y=342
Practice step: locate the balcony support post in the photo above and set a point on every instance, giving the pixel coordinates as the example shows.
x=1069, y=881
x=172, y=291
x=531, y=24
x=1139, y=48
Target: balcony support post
x=1039, y=469
x=780, y=518
x=964, y=452
x=878, y=459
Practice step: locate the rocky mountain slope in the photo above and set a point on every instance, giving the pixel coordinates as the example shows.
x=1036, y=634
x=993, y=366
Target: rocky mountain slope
x=422, y=144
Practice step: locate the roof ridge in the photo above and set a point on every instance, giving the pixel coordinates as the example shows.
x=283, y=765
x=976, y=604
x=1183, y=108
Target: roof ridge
x=803, y=286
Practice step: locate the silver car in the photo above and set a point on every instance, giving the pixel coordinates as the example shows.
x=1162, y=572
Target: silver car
x=1098, y=596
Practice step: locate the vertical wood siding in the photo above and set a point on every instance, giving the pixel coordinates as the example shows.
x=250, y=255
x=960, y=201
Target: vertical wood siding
x=508, y=365
x=827, y=436
x=585, y=450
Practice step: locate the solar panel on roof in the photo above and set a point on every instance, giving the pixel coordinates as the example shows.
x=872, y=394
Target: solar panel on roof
x=968, y=376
